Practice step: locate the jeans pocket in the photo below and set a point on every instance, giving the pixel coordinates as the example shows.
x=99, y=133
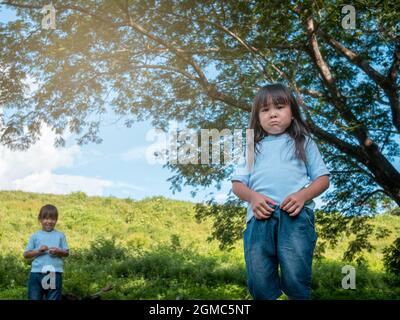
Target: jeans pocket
x=309, y=214
x=310, y=217
x=247, y=225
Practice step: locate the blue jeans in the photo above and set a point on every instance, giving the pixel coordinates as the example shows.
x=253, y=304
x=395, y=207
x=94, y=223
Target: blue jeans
x=36, y=290
x=284, y=241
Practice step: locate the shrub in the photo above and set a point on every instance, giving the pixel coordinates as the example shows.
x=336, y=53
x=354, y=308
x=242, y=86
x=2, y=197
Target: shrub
x=391, y=257
x=105, y=249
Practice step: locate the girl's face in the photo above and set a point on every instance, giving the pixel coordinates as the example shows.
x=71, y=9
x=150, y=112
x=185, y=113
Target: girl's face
x=48, y=223
x=275, y=119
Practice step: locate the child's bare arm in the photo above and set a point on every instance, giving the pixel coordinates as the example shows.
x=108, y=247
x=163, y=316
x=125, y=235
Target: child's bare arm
x=31, y=254
x=317, y=187
x=242, y=191
x=34, y=253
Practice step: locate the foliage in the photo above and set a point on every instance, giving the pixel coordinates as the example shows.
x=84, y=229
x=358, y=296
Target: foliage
x=227, y=220
x=392, y=257
x=161, y=252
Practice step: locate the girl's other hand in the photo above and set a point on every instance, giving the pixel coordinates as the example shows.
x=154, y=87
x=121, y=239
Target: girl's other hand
x=54, y=251
x=43, y=249
x=293, y=204
x=259, y=204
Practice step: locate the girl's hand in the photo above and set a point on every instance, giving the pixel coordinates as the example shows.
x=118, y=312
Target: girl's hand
x=54, y=251
x=43, y=249
x=259, y=204
x=293, y=204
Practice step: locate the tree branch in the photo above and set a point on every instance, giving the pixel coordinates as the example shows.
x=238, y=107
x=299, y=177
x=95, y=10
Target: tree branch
x=312, y=93
x=394, y=69
x=202, y=79
x=354, y=58
x=362, y=201
x=168, y=68
x=388, y=83
x=341, y=145
x=355, y=127
x=251, y=49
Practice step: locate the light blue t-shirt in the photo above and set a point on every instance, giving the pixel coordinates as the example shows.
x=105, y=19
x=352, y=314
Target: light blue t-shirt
x=276, y=172
x=53, y=238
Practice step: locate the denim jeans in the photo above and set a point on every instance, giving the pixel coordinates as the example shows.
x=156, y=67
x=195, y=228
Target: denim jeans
x=280, y=241
x=36, y=290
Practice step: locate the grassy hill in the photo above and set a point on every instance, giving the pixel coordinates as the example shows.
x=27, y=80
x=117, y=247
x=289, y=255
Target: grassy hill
x=154, y=249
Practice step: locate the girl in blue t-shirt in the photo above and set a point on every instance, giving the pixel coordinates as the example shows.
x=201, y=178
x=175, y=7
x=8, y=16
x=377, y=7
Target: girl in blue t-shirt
x=279, y=181
x=46, y=248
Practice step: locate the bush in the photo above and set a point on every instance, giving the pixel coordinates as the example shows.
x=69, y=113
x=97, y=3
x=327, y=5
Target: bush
x=13, y=271
x=78, y=196
x=391, y=257
x=105, y=249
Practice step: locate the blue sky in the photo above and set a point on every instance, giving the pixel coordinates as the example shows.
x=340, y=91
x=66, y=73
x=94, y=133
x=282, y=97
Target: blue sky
x=121, y=158
x=6, y=14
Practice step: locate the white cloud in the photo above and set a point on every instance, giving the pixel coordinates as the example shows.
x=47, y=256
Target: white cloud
x=40, y=157
x=32, y=170
x=48, y=182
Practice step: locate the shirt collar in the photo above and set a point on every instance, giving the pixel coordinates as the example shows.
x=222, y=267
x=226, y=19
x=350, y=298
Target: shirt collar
x=272, y=137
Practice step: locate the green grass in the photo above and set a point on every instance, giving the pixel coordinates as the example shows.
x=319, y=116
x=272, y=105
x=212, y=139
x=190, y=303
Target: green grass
x=155, y=249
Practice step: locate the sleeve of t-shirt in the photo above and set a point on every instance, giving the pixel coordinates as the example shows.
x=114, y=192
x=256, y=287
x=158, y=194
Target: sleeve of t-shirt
x=63, y=242
x=241, y=172
x=315, y=164
x=31, y=244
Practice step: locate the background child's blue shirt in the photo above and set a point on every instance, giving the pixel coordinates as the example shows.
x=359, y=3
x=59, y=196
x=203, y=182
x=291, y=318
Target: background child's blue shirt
x=276, y=172
x=53, y=238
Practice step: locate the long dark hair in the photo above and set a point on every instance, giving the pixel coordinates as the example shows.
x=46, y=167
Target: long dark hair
x=279, y=94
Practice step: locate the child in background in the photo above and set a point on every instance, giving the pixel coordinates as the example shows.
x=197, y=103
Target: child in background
x=279, y=181
x=46, y=247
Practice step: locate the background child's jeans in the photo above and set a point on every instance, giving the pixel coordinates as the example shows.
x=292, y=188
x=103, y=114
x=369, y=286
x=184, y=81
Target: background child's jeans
x=285, y=241
x=36, y=291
